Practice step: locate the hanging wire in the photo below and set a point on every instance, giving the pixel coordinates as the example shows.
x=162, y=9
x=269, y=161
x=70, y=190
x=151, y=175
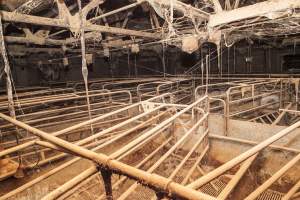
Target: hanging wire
x=7, y=70
x=135, y=67
x=128, y=63
x=163, y=60
x=198, y=64
x=207, y=73
x=149, y=69
x=228, y=63
x=84, y=64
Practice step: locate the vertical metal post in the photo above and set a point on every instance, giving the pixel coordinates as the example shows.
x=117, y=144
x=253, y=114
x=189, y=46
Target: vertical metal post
x=106, y=176
x=163, y=60
x=159, y=195
x=281, y=94
x=234, y=59
x=227, y=100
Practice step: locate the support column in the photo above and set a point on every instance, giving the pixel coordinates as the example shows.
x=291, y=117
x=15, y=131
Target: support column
x=106, y=176
x=159, y=195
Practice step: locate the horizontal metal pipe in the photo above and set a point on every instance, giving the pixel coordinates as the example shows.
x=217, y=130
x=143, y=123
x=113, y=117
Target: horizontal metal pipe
x=139, y=165
x=101, y=159
x=27, y=185
x=106, y=115
x=252, y=143
x=136, y=166
x=117, y=10
x=54, y=171
x=76, y=180
x=197, y=162
x=160, y=126
x=236, y=178
x=166, y=155
x=16, y=148
x=29, y=143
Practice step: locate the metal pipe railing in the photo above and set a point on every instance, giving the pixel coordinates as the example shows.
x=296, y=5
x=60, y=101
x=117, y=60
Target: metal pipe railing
x=72, y=128
x=98, y=147
x=115, y=185
x=92, y=170
x=116, y=166
x=165, y=156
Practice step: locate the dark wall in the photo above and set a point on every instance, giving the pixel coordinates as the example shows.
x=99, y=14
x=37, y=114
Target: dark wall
x=235, y=60
x=256, y=60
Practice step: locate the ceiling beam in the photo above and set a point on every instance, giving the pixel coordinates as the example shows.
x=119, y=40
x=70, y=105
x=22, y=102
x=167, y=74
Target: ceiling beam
x=33, y=6
x=33, y=40
x=255, y=10
x=22, y=50
x=182, y=8
x=29, y=19
x=116, y=11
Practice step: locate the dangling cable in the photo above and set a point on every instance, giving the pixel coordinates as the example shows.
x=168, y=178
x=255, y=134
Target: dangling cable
x=202, y=72
x=10, y=97
x=228, y=63
x=207, y=73
x=163, y=60
x=135, y=67
x=128, y=63
x=84, y=65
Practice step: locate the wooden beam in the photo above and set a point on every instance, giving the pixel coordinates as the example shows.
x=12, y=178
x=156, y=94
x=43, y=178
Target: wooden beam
x=28, y=19
x=258, y=9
